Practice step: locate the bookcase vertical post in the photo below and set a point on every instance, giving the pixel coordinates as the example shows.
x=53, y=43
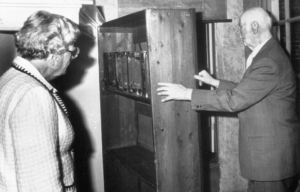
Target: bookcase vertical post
x=172, y=57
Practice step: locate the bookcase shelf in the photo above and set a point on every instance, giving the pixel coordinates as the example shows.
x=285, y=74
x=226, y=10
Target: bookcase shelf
x=150, y=146
x=137, y=159
x=130, y=96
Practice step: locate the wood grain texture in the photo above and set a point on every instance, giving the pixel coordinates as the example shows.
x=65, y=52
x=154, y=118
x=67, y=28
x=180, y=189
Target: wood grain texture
x=169, y=37
x=119, y=121
x=212, y=9
x=160, y=59
x=130, y=6
x=171, y=40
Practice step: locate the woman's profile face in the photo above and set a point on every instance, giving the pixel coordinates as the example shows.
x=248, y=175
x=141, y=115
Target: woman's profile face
x=63, y=61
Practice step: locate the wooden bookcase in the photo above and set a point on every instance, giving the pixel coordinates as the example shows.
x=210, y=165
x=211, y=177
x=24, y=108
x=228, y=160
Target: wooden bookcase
x=150, y=146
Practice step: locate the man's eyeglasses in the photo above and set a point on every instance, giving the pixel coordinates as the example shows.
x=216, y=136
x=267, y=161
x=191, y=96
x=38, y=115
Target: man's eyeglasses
x=74, y=53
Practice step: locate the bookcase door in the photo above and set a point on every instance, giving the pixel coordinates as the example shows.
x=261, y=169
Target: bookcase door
x=173, y=59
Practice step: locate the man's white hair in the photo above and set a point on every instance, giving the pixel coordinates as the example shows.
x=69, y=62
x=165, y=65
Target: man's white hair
x=259, y=15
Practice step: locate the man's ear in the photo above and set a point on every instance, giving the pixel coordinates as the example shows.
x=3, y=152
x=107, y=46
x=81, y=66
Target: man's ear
x=254, y=27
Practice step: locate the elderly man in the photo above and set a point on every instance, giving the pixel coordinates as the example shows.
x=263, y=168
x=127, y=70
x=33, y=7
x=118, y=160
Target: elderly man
x=265, y=102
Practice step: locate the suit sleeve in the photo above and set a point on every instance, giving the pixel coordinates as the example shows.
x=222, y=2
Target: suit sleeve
x=35, y=142
x=226, y=85
x=256, y=84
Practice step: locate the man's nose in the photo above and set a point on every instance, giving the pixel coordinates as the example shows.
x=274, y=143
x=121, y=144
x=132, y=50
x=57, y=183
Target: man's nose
x=238, y=33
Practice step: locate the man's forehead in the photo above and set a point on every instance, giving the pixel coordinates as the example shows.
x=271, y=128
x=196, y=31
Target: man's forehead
x=247, y=17
x=243, y=19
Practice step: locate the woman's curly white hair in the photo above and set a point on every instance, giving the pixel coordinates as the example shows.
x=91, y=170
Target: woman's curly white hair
x=44, y=33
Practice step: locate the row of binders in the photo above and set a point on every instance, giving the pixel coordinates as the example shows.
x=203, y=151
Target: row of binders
x=127, y=72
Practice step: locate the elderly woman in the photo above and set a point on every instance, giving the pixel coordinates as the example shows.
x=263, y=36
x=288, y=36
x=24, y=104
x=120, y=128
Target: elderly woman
x=35, y=132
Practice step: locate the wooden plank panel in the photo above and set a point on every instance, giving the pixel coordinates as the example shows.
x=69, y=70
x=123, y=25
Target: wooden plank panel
x=127, y=127
x=212, y=9
x=115, y=29
x=184, y=68
x=145, y=187
x=107, y=42
x=124, y=42
x=143, y=109
x=130, y=6
x=139, y=34
x=171, y=40
x=118, y=122
x=145, y=131
x=144, y=124
x=110, y=121
x=119, y=125
x=138, y=160
x=129, y=181
x=112, y=176
x=160, y=60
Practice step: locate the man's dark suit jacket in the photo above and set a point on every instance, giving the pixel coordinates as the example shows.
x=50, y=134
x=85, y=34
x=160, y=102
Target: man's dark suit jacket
x=265, y=100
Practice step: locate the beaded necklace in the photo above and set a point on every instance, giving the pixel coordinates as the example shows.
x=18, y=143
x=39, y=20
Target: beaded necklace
x=52, y=91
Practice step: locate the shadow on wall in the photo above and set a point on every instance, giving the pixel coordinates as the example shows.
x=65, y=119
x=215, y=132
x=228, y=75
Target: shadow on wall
x=7, y=50
x=83, y=148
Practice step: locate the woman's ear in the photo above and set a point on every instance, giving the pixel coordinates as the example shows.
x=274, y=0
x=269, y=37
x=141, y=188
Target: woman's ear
x=52, y=60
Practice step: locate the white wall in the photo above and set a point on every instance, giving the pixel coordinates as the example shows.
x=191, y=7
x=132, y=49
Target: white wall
x=110, y=8
x=82, y=95
x=82, y=84
x=86, y=97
